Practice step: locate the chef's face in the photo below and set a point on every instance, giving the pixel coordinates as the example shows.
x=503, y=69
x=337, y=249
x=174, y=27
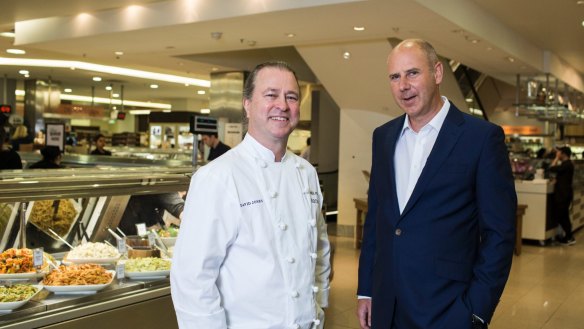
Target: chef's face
x=273, y=110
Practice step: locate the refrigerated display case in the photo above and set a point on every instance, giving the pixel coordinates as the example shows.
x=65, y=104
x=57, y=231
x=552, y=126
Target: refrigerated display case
x=170, y=136
x=98, y=197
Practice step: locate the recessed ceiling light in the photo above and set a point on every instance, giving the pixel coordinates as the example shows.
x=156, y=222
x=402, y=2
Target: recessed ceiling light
x=119, y=53
x=68, y=90
x=7, y=34
x=290, y=35
x=166, y=111
x=214, y=69
x=205, y=111
x=359, y=28
x=346, y=55
x=154, y=86
x=23, y=72
x=469, y=100
x=510, y=59
x=27, y=76
x=16, y=51
x=96, y=78
x=201, y=92
x=108, y=88
x=115, y=95
x=580, y=2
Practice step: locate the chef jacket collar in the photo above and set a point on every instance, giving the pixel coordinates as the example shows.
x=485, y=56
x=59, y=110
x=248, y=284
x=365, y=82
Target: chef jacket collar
x=263, y=152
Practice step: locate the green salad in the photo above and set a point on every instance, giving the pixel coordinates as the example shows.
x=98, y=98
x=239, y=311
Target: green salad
x=147, y=264
x=16, y=293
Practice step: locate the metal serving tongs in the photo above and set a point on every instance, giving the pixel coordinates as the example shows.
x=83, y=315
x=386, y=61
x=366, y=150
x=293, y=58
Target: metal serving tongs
x=162, y=247
x=60, y=238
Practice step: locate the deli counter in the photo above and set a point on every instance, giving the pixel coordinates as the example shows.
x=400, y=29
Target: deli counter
x=98, y=197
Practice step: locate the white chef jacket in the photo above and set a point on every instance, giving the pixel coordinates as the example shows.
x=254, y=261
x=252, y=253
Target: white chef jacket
x=253, y=251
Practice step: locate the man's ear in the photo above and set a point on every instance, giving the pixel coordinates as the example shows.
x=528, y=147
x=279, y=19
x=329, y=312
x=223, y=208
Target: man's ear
x=246, y=106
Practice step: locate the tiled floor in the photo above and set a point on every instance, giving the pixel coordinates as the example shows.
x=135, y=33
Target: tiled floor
x=545, y=289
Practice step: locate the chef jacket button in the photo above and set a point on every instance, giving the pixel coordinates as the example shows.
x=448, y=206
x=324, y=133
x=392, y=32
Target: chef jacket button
x=313, y=255
x=307, y=189
x=314, y=289
x=312, y=222
x=295, y=294
x=290, y=260
x=283, y=226
x=263, y=164
x=316, y=322
x=398, y=232
x=273, y=194
x=298, y=165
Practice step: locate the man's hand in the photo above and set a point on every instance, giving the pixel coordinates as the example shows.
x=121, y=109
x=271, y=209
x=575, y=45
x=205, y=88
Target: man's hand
x=364, y=313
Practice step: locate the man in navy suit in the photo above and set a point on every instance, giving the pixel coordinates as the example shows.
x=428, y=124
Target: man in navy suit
x=440, y=229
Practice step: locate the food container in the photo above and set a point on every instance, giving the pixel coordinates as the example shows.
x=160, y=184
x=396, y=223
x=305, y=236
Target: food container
x=138, y=242
x=141, y=253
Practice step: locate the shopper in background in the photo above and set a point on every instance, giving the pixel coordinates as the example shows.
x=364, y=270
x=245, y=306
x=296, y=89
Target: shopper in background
x=563, y=168
x=216, y=147
x=51, y=159
x=440, y=229
x=305, y=154
x=253, y=250
x=20, y=136
x=9, y=158
x=99, y=146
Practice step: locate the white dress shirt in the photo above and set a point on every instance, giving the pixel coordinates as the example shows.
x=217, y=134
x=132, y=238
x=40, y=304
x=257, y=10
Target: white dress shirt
x=253, y=251
x=412, y=151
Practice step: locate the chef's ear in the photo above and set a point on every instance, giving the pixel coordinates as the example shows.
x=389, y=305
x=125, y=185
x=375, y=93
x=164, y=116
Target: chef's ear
x=246, y=107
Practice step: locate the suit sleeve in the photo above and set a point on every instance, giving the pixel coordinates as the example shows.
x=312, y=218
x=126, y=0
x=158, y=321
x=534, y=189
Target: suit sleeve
x=366, y=258
x=497, y=203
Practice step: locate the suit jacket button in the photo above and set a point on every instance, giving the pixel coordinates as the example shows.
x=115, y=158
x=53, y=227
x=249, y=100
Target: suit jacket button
x=398, y=232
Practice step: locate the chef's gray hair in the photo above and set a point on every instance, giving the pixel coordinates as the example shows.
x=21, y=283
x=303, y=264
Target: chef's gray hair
x=249, y=85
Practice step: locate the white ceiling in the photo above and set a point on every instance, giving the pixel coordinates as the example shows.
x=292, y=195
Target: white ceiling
x=175, y=36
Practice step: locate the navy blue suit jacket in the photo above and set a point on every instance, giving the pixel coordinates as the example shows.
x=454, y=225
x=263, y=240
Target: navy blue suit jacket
x=448, y=254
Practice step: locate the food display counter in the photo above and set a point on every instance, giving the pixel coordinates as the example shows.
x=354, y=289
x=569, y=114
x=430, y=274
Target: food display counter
x=143, y=303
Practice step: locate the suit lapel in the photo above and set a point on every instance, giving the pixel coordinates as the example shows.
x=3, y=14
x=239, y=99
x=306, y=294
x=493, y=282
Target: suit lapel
x=445, y=142
x=389, y=145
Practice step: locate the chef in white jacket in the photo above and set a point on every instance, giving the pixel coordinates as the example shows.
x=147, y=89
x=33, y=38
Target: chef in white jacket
x=253, y=251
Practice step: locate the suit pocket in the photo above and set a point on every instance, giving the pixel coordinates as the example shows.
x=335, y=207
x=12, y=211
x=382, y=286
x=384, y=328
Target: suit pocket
x=453, y=270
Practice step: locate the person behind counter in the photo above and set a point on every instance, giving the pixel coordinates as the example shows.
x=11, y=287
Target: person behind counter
x=563, y=167
x=51, y=159
x=9, y=158
x=148, y=209
x=216, y=147
x=253, y=251
x=99, y=146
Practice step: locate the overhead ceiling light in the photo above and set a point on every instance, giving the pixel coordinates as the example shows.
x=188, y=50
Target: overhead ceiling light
x=23, y=72
x=27, y=76
x=186, y=85
x=68, y=90
x=580, y=2
x=140, y=112
x=154, y=86
x=108, y=87
x=469, y=100
x=166, y=111
x=103, y=100
x=115, y=70
x=290, y=35
x=115, y=95
x=119, y=53
x=201, y=92
x=510, y=59
x=7, y=34
x=97, y=79
x=16, y=51
x=213, y=69
x=205, y=111
x=359, y=28
x=346, y=55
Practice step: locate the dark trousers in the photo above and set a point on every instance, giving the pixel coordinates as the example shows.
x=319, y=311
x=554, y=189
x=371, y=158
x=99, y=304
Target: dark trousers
x=562, y=212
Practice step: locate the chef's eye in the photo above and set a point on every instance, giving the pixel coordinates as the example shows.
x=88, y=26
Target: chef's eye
x=271, y=95
x=394, y=77
x=293, y=98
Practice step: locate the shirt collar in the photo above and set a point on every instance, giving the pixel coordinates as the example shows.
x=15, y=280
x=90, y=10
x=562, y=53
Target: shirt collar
x=436, y=121
x=261, y=151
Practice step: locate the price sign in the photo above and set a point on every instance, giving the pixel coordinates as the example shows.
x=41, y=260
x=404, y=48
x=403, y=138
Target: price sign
x=121, y=270
x=151, y=239
x=37, y=257
x=141, y=229
x=121, y=244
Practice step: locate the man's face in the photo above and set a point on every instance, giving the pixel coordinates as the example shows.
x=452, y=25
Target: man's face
x=274, y=108
x=100, y=143
x=414, y=84
x=208, y=140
